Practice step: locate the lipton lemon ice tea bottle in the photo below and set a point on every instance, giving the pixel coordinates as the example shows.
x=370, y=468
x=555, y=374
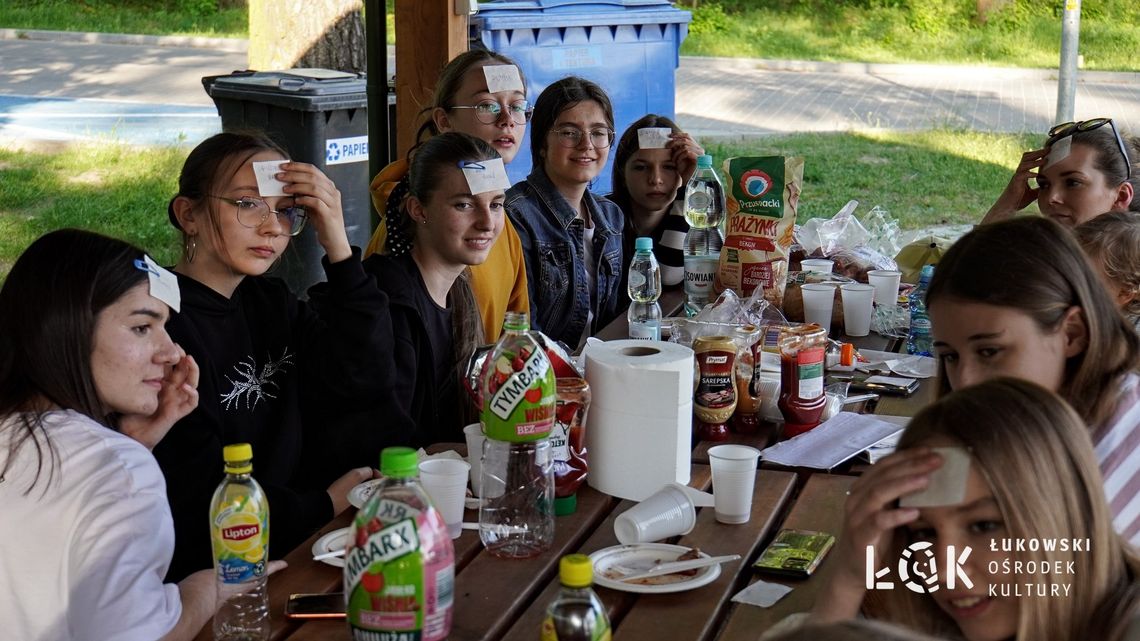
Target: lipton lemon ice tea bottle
x=239, y=523
x=399, y=566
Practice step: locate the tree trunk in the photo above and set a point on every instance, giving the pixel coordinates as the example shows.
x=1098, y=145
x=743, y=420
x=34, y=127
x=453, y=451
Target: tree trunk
x=328, y=34
x=987, y=7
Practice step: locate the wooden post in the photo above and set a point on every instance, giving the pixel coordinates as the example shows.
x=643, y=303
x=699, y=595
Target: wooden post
x=428, y=35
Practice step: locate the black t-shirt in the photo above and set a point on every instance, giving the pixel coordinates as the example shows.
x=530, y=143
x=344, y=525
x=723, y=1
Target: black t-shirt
x=437, y=325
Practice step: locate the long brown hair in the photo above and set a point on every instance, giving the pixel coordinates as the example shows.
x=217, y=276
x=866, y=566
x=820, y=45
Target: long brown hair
x=1113, y=239
x=450, y=78
x=1109, y=160
x=1034, y=265
x=628, y=145
x=1016, y=431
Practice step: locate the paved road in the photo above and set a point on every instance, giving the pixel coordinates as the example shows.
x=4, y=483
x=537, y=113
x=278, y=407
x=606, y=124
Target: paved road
x=153, y=94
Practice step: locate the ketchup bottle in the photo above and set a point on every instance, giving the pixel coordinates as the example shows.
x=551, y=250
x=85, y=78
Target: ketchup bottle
x=802, y=398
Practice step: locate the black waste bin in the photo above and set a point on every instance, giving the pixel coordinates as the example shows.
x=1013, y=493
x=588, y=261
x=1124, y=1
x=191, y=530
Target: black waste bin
x=320, y=117
x=629, y=47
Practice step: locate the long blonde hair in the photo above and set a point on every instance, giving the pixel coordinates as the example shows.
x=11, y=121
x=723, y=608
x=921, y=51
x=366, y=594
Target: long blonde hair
x=1036, y=455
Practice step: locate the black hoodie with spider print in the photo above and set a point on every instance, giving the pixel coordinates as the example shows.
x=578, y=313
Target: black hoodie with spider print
x=266, y=360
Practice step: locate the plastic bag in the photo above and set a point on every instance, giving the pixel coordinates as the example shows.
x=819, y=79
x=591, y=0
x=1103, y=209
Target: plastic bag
x=846, y=241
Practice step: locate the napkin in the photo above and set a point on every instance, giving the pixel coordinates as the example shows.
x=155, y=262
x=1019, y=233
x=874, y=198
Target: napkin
x=762, y=593
x=914, y=366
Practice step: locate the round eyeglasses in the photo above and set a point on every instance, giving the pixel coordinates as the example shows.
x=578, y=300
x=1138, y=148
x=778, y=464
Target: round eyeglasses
x=488, y=111
x=253, y=212
x=572, y=137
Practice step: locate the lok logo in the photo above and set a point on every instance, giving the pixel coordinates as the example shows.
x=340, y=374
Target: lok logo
x=918, y=569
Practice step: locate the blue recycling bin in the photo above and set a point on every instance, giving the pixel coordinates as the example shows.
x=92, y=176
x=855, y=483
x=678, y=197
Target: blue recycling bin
x=629, y=47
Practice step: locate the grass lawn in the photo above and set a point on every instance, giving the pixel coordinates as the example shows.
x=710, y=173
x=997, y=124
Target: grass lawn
x=922, y=179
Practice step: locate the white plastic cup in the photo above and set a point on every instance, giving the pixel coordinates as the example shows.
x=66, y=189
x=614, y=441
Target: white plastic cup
x=475, y=437
x=818, y=301
x=857, y=308
x=818, y=265
x=886, y=284
x=445, y=481
x=733, y=477
x=668, y=512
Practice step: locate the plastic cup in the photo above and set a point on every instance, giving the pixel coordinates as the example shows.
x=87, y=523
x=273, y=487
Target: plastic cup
x=733, y=477
x=475, y=438
x=445, y=481
x=818, y=301
x=886, y=284
x=818, y=265
x=668, y=512
x=857, y=308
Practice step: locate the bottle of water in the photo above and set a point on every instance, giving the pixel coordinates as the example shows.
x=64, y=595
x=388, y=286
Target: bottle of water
x=704, y=210
x=239, y=524
x=919, y=340
x=576, y=614
x=644, y=313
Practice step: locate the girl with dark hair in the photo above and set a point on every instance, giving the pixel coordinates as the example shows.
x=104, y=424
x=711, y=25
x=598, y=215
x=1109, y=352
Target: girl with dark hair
x=1085, y=169
x=1019, y=298
x=571, y=237
x=453, y=225
x=463, y=103
x=649, y=186
x=86, y=535
x=1112, y=242
x=267, y=357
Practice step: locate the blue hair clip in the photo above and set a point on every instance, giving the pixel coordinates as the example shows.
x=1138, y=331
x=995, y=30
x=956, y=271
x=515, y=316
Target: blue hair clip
x=471, y=164
x=141, y=265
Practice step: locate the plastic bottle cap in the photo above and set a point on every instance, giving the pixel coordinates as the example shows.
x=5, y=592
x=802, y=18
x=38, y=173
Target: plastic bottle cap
x=564, y=505
x=576, y=571
x=704, y=162
x=398, y=462
x=237, y=453
x=643, y=244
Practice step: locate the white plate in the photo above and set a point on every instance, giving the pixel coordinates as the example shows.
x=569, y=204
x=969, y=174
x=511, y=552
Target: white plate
x=621, y=560
x=335, y=540
x=358, y=495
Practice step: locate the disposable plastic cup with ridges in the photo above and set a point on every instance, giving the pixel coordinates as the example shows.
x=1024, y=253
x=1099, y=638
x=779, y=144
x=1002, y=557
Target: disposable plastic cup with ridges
x=886, y=284
x=733, y=477
x=475, y=437
x=857, y=308
x=818, y=301
x=445, y=481
x=668, y=512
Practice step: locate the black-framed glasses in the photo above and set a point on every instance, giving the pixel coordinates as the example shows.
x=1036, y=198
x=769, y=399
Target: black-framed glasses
x=488, y=111
x=253, y=212
x=1064, y=129
x=572, y=137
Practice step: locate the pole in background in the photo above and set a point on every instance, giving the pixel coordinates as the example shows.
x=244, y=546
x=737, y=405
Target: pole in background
x=376, y=35
x=1067, y=76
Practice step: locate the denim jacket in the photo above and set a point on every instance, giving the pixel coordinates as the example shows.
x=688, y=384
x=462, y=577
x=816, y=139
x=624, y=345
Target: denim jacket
x=551, y=236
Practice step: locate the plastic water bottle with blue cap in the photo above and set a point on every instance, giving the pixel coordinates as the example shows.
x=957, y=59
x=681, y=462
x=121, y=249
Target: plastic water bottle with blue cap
x=644, y=313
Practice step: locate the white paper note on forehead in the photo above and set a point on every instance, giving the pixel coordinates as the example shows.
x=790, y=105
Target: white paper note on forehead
x=163, y=283
x=1059, y=151
x=486, y=175
x=653, y=137
x=502, y=78
x=947, y=483
x=266, y=173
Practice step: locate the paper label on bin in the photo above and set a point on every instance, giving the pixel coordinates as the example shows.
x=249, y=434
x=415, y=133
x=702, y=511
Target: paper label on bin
x=266, y=173
x=563, y=58
x=486, y=175
x=502, y=78
x=653, y=137
x=339, y=151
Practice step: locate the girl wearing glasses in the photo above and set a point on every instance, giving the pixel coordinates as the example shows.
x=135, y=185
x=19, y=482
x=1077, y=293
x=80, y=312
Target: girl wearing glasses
x=570, y=236
x=1045, y=318
x=266, y=356
x=462, y=103
x=1085, y=169
x=434, y=319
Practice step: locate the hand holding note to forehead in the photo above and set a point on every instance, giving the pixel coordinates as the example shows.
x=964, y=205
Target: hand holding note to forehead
x=485, y=175
x=947, y=483
x=502, y=78
x=266, y=173
x=653, y=137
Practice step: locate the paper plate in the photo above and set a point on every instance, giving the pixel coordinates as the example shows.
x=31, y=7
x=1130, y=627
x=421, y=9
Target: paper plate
x=612, y=563
x=335, y=540
x=359, y=494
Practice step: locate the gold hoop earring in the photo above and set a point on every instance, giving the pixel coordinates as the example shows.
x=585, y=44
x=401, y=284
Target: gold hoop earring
x=191, y=248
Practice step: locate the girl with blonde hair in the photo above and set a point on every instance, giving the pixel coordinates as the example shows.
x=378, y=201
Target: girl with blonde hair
x=1112, y=242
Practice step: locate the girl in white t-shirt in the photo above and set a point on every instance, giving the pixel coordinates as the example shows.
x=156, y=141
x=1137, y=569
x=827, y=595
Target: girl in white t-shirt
x=86, y=534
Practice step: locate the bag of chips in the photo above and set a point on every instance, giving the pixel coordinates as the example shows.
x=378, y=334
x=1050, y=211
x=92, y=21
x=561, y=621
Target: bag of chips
x=762, y=197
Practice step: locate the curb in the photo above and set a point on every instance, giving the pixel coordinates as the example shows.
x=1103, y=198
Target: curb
x=231, y=45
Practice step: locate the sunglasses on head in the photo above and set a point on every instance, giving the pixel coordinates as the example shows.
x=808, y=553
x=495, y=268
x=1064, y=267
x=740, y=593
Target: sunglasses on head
x=1065, y=129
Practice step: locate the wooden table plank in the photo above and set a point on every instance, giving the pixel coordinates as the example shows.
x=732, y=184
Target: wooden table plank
x=759, y=440
x=818, y=507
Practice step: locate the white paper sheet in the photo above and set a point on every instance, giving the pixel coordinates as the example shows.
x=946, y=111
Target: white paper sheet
x=832, y=442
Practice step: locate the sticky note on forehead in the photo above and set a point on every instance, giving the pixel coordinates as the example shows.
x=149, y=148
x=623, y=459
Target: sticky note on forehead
x=486, y=175
x=947, y=483
x=502, y=78
x=653, y=137
x=163, y=283
x=1059, y=151
x=266, y=173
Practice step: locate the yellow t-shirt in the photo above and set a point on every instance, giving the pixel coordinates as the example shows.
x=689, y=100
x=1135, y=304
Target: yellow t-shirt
x=499, y=284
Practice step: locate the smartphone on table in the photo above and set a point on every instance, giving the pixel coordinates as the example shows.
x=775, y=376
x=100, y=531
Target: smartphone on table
x=315, y=606
x=795, y=553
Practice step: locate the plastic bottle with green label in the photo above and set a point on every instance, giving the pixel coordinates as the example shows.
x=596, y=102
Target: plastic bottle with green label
x=519, y=389
x=239, y=525
x=399, y=565
x=576, y=614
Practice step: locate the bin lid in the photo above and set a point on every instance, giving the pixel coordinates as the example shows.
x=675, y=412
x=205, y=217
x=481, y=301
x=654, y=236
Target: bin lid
x=511, y=14
x=298, y=89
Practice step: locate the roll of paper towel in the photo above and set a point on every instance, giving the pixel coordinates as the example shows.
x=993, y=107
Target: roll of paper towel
x=639, y=434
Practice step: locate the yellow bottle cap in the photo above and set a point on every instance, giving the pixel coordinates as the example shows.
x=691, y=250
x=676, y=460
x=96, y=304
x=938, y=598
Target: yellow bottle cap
x=576, y=571
x=235, y=454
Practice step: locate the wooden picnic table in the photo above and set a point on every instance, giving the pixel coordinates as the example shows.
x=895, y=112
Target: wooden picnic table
x=498, y=599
